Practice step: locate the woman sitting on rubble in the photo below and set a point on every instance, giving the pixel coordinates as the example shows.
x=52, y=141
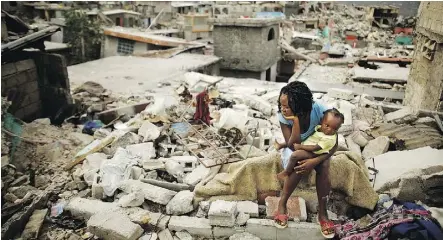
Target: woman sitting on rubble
x=298, y=116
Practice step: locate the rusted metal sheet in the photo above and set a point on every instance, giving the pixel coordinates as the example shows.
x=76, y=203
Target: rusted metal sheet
x=409, y=136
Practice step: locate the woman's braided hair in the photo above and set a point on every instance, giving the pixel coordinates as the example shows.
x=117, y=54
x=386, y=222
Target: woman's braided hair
x=299, y=98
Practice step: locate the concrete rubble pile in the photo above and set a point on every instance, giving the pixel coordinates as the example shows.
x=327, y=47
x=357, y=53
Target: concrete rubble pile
x=138, y=171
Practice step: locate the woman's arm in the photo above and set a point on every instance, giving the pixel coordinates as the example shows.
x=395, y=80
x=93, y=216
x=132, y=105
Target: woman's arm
x=291, y=135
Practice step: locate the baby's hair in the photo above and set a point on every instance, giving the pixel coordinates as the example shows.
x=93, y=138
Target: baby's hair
x=299, y=98
x=335, y=113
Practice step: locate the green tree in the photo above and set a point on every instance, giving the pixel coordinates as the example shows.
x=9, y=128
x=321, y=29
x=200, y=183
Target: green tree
x=83, y=35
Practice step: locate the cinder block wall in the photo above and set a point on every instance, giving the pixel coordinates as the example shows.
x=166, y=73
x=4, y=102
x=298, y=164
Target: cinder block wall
x=21, y=80
x=246, y=48
x=425, y=83
x=37, y=84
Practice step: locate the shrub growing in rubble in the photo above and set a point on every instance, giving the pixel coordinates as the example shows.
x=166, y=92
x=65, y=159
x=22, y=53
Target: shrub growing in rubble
x=83, y=35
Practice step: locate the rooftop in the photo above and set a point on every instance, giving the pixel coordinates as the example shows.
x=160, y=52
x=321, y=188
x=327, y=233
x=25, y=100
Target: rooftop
x=115, y=11
x=244, y=22
x=128, y=74
x=146, y=37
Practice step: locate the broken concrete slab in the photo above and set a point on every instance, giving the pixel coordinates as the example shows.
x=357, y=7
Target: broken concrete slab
x=248, y=207
x=352, y=146
x=149, y=236
x=151, y=192
x=153, y=164
x=149, y=131
x=189, y=163
x=266, y=230
x=241, y=219
x=342, y=146
x=85, y=208
x=114, y=226
x=141, y=216
x=376, y=147
x=110, y=115
x=360, y=138
x=225, y=232
x=32, y=228
x=181, y=203
x=340, y=94
x=388, y=73
x=165, y=234
x=296, y=208
x=193, y=225
x=183, y=235
x=258, y=103
x=243, y=236
x=405, y=136
x=144, y=151
x=222, y=213
x=194, y=177
x=133, y=199
x=402, y=162
x=404, y=115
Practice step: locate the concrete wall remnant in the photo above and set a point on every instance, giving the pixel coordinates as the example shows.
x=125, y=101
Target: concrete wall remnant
x=425, y=83
x=247, y=45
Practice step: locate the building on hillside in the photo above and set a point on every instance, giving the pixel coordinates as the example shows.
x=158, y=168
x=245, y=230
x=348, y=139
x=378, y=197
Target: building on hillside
x=196, y=27
x=424, y=89
x=46, y=11
x=248, y=47
x=170, y=9
x=119, y=17
x=129, y=41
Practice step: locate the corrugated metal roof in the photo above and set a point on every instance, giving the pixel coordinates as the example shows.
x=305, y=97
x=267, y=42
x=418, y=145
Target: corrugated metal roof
x=410, y=136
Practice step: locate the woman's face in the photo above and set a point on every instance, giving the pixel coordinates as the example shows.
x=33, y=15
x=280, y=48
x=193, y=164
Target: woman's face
x=284, y=103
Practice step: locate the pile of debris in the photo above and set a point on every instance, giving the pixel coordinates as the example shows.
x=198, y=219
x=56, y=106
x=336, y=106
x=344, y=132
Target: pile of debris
x=142, y=167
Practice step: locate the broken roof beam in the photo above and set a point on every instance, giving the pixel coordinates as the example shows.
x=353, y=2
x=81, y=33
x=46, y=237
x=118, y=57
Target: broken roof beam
x=152, y=39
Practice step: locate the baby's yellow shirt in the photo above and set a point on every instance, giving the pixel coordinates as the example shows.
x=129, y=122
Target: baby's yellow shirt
x=326, y=142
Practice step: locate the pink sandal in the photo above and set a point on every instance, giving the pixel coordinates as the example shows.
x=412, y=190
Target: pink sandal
x=327, y=229
x=281, y=221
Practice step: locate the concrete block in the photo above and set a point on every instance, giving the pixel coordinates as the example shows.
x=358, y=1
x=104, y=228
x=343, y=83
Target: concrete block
x=139, y=216
x=8, y=69
x=32, y=228
x=248, y=207
x=195, y=226
x=352, y=146
x=181, y=203
x=144, y=151
x=153, y=164
x=404, y=115
x=339, y=93
x=183, y=235
x=189, y=163
x=151, y=192
x=24, y=65
x=114, y=226
x=85, y=208
x=241, y=219
x=149, y=236
x=360, y=138
x=194, y=177
x=265, y=229
x=342, y=146
x=376, y=147
x=30, y=87
x=165, y=234
x=222, y=213
x=221, y=232
x=296, y=207
x=243, y=236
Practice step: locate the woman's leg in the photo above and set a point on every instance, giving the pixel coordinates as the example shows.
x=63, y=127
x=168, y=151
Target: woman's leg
x=292, y=181
x=323, y=185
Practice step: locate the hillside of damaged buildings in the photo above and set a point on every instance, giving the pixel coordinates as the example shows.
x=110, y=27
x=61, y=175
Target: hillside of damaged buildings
x=118, y=144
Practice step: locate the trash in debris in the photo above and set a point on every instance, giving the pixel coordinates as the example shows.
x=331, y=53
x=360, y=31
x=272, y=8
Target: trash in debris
x=91, y=126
